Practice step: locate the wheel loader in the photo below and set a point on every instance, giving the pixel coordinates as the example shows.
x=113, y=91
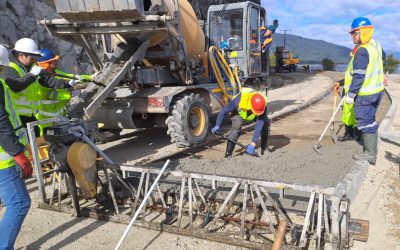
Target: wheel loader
x=154, y=59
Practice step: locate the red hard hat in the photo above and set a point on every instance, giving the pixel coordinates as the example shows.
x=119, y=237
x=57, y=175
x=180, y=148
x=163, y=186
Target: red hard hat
x=258, y=104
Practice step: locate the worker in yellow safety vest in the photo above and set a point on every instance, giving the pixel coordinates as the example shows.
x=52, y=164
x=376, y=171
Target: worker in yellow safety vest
x=53, y=102
x=247, y=106
x=14, y=165
x=363, y=85
x=24, y=78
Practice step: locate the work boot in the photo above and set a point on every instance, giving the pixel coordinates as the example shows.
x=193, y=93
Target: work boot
x=230, y=146
x=348, y=134
x=357, y=134
x=370, y=148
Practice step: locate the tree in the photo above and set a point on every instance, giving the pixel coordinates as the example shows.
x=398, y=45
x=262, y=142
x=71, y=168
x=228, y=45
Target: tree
x=390, y=64
x=328, y=64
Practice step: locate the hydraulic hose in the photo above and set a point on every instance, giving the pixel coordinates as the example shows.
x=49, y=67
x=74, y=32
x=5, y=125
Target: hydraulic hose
x=220, y=69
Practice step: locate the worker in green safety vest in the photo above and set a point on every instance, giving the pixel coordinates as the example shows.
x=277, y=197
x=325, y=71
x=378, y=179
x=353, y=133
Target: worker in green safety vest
x=14, y=165
x=247, y=106
x=25, y=78
x=363, y=84
x=53, y=102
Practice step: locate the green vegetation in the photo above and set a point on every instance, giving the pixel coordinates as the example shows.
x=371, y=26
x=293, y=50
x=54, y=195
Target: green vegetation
x=272, y=60
x=390, y=64
x=328, y=64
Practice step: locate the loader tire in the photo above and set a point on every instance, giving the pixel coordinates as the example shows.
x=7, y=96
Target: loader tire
x=188, y=121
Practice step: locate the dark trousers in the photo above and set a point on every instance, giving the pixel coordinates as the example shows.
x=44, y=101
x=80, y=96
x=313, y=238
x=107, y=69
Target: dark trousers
x=236, y=128
x=365, y=108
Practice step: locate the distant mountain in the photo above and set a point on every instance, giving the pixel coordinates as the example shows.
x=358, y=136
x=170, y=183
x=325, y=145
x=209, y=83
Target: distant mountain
x=312, y=51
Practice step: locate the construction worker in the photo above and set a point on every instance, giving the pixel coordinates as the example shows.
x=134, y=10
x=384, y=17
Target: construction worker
x=53, y=102
x=348, y=118
x=266, y=34
x=364, y=83
x=247, y=106
x=14, y=165
x=23, y=78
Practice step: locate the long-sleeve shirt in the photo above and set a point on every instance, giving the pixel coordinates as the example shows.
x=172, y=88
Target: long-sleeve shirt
x=233, y=106
x=18, y=84
x=8, y=139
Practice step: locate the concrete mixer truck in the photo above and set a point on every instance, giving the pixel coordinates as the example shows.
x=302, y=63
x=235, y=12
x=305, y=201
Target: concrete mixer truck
x=161, y=65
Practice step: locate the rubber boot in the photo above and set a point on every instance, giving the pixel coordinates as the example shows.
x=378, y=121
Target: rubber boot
x=230, y=146
x=370, y=148
x=357, y=134
x=348, y=134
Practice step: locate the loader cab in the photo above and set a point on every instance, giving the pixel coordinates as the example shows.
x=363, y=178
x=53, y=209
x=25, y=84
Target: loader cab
x=235, y=29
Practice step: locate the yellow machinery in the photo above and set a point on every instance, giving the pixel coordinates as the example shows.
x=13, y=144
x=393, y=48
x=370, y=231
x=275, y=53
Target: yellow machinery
x=285, y=60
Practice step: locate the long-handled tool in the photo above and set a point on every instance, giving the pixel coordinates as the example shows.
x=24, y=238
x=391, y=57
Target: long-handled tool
x=237, y=143
x=317, y=146
x=333, y=132
x=75, y=78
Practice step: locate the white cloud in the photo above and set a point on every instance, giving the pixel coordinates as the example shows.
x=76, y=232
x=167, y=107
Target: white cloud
x=331, y=20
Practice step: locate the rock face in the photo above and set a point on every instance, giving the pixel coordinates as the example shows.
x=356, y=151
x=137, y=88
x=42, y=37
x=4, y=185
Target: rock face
x=19, y=18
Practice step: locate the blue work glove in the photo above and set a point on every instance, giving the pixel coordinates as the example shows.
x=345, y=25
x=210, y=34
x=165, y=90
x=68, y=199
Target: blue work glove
x=250, y=149
x=215, y=129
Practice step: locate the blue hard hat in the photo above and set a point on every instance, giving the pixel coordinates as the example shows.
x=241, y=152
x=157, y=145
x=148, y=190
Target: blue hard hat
x=47, y=55
x=360, y=22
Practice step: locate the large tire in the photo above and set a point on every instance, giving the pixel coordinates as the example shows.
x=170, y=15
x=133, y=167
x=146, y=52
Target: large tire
x=188, y=121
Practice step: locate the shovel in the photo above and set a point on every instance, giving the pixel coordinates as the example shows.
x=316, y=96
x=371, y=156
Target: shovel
x=317, y=146
x=237, y=143
x=333, y=132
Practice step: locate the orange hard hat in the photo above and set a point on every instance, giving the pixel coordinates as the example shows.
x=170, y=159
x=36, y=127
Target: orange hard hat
x=258, y=104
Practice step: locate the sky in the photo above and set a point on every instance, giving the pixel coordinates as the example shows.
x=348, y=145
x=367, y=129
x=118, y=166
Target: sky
x=331, y=20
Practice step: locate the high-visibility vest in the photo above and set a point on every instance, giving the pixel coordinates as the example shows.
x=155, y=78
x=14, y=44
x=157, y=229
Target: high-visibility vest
x=25, y=100
x=7, y=160
x=51, y=103
x=244, y=109
x=374, y=76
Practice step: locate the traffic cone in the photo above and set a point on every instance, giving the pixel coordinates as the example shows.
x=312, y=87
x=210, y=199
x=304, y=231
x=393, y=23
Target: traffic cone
x=386, y=80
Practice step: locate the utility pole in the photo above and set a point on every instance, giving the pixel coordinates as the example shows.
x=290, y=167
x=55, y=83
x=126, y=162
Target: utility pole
x=284, y=39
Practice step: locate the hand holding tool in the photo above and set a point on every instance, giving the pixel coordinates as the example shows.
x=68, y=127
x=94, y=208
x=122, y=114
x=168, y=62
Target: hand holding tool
x=24, y=163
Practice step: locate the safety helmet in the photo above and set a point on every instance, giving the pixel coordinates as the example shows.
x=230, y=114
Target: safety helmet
x=4, y=56
x=27, y=45
x=360, y=22
x=258, y=104
x=263, y=28
x=47, y=55
x=365, y=27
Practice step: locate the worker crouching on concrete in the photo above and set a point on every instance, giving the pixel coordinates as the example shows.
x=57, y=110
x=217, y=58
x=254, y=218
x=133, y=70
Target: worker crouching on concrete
x=247, y=106
x=364, y=80
x=14, y=165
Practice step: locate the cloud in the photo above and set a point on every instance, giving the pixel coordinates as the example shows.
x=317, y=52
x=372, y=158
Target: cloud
x=331, y=20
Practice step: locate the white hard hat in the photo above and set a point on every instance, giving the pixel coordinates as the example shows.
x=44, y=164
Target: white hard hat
x=27, y=45
x=4, y=56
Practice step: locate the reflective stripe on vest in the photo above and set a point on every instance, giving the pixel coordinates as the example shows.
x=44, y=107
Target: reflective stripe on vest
x=374, y=76
x=25, y=100
x=7, y=160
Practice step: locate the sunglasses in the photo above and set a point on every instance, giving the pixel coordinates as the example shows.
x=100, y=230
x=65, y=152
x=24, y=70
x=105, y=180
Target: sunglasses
x=354, y=33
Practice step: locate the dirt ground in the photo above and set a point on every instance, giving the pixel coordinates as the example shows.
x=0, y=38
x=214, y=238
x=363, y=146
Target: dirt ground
x=44, y=229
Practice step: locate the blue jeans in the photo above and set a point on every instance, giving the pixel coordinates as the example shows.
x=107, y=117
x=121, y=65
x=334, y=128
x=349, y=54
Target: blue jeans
x=365, y=108
x=14, y=195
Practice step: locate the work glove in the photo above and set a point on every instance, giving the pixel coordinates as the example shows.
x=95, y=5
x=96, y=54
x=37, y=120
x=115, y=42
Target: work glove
x=349, y=99
x=250, y=149
x=73, y=82
x=24, y=165
x=336, y=87
x=215, y=129
x=35, y=70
